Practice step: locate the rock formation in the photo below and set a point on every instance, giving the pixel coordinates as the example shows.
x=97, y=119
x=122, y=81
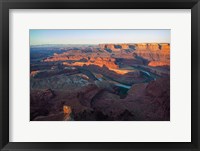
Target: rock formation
x=39, y=103
x=143, y=102
x=157, y=54
x=103, y=82
x=108, y=62
x=115, y=47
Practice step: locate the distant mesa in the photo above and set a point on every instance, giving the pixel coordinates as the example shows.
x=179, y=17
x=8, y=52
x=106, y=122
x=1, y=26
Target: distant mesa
x=114, y=47
x=138, y=46
x=151, y=54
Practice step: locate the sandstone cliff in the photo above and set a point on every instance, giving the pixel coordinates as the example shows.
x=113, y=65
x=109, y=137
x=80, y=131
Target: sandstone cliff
x=154, y=54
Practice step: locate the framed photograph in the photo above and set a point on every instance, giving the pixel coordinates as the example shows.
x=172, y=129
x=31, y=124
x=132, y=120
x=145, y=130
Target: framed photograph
x=99, y=75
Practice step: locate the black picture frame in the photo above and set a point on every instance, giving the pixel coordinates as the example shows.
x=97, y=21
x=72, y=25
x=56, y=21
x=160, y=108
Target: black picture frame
x=5, y=5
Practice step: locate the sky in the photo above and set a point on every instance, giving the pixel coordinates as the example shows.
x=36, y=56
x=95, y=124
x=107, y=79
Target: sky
x=84, y=36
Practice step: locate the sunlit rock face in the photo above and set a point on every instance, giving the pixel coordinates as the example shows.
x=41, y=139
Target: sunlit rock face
x=165, y=47
x=156, y=54
x=124, y=46
x=153, y=47
x=34, y=73
x=108, y=62
x=114, y=47
x=158, y=63
x=67, y=113
x=110, y=46
x=142, y=46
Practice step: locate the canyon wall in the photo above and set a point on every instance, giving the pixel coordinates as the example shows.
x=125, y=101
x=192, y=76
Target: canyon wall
x=138, y=46
x=153, y=54
x=108, y=62
x=144, y=102
x=157, y=54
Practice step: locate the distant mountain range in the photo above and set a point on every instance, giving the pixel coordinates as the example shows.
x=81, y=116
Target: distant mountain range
x=61, y=45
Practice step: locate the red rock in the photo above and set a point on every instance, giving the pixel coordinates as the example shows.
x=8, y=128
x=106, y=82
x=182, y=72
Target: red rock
x=157, y=54
x=158, y=63
x=144, y=102
x=108, y=62
x=39, y=102
x=87, y=93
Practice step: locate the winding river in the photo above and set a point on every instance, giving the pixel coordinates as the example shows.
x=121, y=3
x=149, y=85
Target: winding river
x=94, y=77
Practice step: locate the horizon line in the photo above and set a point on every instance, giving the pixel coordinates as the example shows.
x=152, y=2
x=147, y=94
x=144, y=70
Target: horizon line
x=103, y=43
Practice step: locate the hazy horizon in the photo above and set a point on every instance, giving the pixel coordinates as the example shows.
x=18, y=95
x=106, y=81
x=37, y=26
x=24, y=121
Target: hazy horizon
x=98, y=36
x=100, y=43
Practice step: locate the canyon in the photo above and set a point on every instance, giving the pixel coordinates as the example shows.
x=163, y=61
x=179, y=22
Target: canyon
x=109, y=82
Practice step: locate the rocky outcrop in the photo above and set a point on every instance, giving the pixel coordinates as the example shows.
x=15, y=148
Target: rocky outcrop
x=165, y=47
x=114, y=47
x=53, y=72
x=124, y=46
x=99, y=61
x=60, y=82
x=158, y=63
x=67, y=110
x=102, y=46
x=152, y=98
x=108, y=62
x=86, y=95
x=64, y=57
x=34, y=73
x=142, y=46
x=144, y=102
x=39, y=102
x=156, y=54
x=152, y=46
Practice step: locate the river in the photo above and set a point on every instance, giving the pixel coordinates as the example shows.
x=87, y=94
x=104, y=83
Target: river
x=116, y=83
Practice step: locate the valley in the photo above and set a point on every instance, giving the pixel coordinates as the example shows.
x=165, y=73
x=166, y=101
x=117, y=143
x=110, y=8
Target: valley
x=103, y=82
